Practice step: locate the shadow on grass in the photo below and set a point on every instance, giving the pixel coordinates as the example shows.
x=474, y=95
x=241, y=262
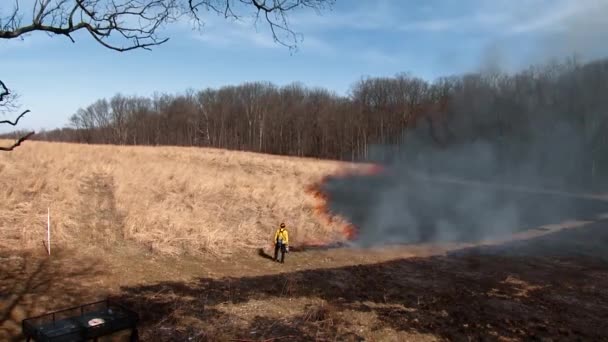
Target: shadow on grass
x=31, y=284
x=265, y=255
x=555, y=286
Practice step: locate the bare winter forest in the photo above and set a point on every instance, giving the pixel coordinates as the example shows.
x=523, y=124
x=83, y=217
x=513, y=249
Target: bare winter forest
x=556, y=103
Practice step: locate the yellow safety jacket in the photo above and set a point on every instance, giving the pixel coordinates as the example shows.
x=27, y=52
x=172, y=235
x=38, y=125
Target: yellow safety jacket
x=283, y=235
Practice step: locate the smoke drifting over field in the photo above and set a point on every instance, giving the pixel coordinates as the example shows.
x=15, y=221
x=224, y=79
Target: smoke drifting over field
x=435, y=197
x=485, y=170
x=509, y=152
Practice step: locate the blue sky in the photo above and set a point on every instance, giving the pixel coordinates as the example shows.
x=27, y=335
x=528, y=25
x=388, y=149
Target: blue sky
x=356, y=38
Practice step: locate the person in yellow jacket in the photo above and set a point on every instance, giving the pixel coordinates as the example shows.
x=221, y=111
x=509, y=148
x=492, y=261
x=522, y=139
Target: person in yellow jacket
x=281, y=241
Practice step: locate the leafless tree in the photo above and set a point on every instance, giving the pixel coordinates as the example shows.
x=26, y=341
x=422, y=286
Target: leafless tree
x=7, y=104
x=124, y=25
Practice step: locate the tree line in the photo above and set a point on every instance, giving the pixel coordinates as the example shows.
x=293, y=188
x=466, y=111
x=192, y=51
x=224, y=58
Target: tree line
x=296, y=120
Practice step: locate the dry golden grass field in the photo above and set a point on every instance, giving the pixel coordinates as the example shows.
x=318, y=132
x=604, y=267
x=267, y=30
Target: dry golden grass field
x=182, y=236
x=171, y=200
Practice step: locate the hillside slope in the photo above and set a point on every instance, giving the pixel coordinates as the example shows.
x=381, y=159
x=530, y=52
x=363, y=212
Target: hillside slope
x=176, y=200
x=170, y=199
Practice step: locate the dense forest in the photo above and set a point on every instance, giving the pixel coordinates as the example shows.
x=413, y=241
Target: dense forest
x=551, y=111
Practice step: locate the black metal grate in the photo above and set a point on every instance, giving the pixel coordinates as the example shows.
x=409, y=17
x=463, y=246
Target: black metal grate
x=72, y=324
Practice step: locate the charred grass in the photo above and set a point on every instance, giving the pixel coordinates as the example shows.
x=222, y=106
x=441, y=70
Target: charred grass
x=526, y=293
x=510, y=292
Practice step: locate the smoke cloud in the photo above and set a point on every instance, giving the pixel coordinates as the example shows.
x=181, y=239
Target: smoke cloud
x=483, y=179
x=409, y=203
x=583, y=33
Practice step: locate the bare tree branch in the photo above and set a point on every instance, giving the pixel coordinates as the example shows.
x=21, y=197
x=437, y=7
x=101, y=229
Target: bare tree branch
x=8, y=100
x=5, y=101
x=137, y=22
x=17, y=143
x=4, y=92
x=16, y=120
x=274, y=12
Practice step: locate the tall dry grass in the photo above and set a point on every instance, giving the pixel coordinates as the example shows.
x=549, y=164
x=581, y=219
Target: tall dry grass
x=170, y=199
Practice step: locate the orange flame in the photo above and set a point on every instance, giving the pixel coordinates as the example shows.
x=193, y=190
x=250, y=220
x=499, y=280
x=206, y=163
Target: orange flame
x=349, y=230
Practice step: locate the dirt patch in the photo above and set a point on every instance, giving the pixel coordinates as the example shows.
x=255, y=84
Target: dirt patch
x=101, y=221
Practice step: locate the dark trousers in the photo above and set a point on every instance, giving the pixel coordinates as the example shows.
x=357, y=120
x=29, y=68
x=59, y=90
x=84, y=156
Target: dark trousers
x=280, y=246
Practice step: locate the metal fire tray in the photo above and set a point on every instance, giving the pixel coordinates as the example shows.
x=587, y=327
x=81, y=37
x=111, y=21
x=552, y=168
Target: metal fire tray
x=81, y=323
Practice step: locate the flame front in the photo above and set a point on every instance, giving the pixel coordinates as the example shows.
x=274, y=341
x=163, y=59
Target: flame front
x=349, y=231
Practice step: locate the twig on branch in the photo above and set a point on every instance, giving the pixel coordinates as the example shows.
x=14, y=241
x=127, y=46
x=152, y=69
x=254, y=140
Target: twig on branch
x=275, y=13
x=8, y=99
x=17, y=143
x=4, y=92
x=16, y=120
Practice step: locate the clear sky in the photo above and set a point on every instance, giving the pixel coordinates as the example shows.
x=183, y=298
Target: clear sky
x=357, y=38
